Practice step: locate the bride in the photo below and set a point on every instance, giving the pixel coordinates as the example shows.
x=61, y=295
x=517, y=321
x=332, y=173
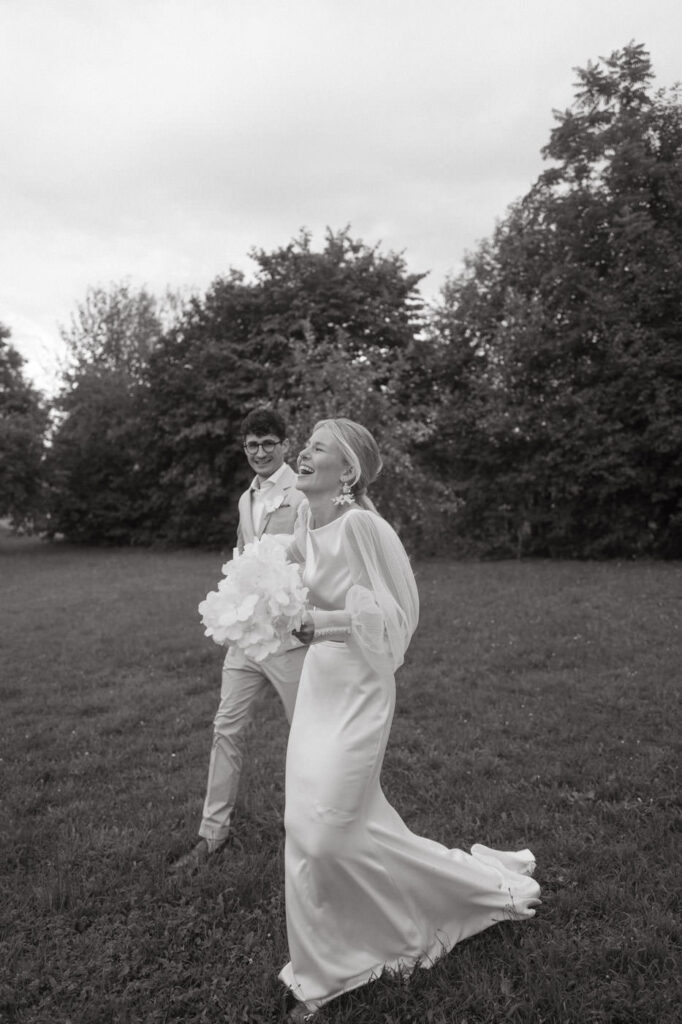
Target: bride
x=363, y=893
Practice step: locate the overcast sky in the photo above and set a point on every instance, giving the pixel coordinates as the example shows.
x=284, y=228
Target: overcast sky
x=159, y=140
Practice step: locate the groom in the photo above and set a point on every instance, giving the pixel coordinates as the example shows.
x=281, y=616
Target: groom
x=269, y=505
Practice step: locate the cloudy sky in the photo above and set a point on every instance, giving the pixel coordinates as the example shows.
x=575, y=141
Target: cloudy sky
x=158, y=141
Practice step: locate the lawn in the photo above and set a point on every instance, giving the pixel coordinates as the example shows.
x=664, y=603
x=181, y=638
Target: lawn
x=539, y=706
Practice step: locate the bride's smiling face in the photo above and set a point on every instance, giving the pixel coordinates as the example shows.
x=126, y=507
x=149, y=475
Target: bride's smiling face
x=321, y=465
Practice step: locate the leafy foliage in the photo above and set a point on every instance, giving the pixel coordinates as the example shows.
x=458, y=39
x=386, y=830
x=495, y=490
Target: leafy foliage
x=115, y=329
x=349, y=287
x=23, y=425
x=97, y=486
x=324, y=380
x=202, y=379
x=537, y=410
x=99, y=489
x=315, y=334
x=564, y=355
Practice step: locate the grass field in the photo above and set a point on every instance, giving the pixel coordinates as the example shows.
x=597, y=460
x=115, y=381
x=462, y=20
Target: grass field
x=539, y=706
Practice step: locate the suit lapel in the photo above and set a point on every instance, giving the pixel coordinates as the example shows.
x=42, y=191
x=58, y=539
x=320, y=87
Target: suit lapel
x=282, y=487
x=245, y=518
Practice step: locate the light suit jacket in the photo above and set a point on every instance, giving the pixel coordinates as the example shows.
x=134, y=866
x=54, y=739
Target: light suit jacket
x=282, y=501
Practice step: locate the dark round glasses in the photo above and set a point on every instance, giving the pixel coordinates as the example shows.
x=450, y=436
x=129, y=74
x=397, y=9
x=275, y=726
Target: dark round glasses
x=251, y=447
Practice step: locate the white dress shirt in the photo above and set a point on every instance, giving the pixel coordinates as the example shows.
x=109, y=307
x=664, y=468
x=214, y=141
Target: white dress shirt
x=260, y=490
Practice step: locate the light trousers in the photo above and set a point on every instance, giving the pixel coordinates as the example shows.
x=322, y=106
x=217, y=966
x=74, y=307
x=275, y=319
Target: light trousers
x=243, y=682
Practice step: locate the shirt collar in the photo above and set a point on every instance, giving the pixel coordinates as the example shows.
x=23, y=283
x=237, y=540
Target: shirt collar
x=257, y=485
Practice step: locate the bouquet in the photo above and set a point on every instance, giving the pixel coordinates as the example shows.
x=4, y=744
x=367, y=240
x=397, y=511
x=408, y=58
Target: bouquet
x=258, y=603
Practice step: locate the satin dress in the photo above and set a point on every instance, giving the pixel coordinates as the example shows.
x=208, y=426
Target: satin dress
x=363, y=893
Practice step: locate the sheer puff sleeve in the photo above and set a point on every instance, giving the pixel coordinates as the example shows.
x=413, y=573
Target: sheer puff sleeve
x=382, y=605
x=296, y=545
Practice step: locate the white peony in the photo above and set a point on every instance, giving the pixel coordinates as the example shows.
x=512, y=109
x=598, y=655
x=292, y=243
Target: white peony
x=258, y=603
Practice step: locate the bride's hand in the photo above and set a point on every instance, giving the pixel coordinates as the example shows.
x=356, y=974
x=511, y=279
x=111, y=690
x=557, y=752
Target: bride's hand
x=307, y=631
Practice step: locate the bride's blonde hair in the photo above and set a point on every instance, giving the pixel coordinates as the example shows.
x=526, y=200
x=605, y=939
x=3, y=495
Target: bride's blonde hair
x=360, y=451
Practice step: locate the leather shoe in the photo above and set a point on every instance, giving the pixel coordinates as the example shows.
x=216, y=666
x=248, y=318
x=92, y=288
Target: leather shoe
x=301, y=1013
x=198, y=855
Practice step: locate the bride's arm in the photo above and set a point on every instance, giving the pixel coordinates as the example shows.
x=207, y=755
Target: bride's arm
x=321, y=625
x=295, y=545
x=382, y=605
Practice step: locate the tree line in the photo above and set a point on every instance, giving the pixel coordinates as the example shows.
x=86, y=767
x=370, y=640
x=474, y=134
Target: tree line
x=535, y=408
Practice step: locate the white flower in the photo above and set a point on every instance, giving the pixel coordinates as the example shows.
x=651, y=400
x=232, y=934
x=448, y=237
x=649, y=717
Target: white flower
x=259, y=601
x=273, y=503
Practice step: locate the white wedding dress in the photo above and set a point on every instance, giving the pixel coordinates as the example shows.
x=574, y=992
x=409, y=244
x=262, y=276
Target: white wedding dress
x=363, y=893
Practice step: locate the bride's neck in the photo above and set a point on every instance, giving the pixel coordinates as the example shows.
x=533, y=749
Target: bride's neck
x=323, y=511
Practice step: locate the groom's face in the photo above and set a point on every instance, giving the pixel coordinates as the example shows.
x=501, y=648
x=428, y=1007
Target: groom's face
x=265, y=453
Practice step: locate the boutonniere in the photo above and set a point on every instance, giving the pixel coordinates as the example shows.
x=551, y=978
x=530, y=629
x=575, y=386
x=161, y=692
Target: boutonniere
x=273, y=503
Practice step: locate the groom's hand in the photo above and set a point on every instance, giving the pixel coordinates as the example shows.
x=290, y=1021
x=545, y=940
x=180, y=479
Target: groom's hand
x=307, y=631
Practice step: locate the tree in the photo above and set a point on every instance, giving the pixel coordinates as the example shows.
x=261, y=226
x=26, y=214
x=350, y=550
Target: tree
x=350, y=287
x=564, y=336
x=313, y=332
x=114, y=329
x=23, y=424
x=386, y=391
x=98, y=464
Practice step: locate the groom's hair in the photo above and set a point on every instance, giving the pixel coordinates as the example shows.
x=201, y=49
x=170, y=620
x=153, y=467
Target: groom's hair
x=264, y=421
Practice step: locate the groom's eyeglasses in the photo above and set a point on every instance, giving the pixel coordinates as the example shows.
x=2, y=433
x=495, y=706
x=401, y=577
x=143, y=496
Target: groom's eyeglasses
x=251, y=447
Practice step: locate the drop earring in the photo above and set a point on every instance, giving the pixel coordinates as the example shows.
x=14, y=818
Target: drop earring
x=346, y=495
